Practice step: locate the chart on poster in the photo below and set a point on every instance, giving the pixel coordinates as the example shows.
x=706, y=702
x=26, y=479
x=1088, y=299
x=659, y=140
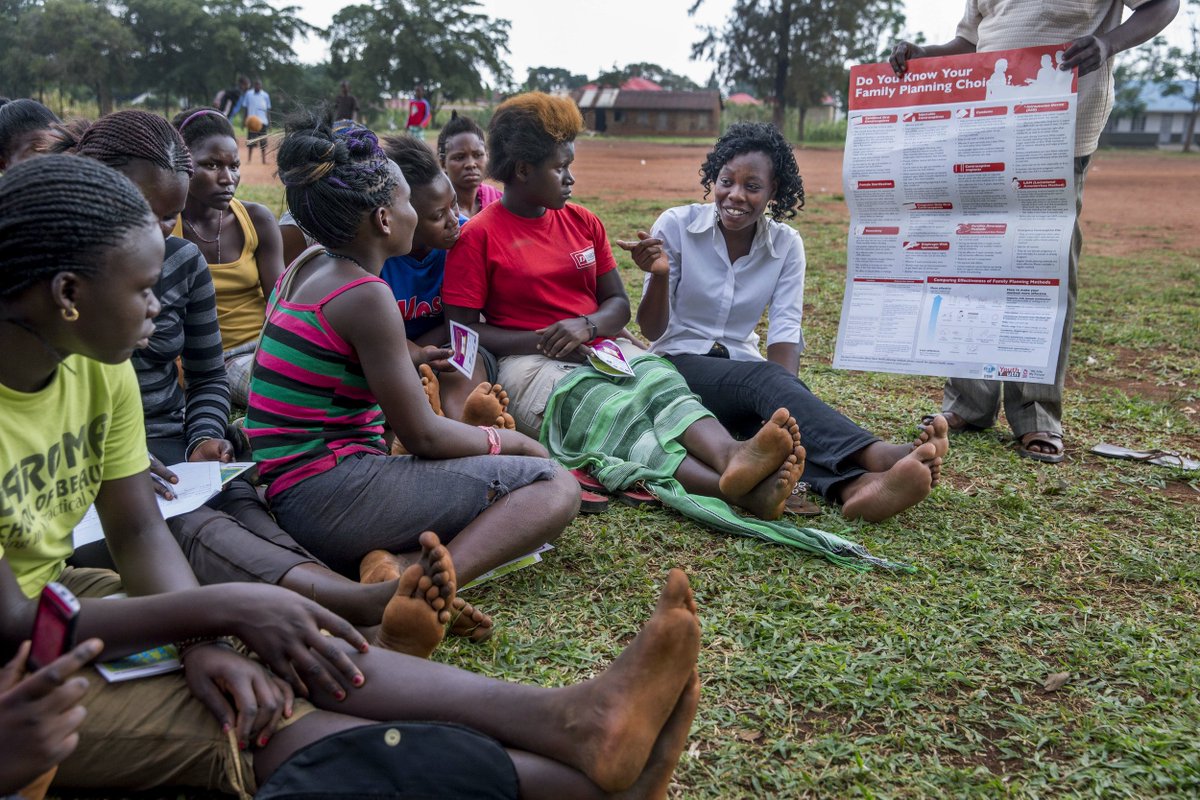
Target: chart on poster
x=960, y=182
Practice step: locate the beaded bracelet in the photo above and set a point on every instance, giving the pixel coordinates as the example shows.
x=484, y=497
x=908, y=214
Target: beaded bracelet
x=493, y=440
x=585, y=318
x=185, y=646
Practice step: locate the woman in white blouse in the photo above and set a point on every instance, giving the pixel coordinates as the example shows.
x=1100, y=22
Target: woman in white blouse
x=711, y=271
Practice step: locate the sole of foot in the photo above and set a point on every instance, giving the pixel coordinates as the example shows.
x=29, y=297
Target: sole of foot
x=432, y=388
x=484, y=407
x=655, y=780
x=880, y=495
x=769, y=499
x=411, y=625
x=616, y=719
x=759, y=457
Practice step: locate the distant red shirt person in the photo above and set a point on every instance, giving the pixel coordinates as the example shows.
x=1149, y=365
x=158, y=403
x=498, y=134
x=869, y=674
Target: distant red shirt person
x=419, y=113
x=345, y=105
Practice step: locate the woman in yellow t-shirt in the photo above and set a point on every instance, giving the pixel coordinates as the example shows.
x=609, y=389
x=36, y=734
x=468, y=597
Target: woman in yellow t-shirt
x=240, y=241
x=80, y=255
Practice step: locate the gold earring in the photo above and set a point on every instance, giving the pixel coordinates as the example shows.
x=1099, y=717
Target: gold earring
x=70, y=314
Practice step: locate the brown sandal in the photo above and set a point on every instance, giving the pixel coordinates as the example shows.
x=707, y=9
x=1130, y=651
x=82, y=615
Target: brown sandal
x=1045, y=438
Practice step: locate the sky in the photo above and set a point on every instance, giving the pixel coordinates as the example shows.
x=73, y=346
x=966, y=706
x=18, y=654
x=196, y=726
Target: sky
x=575, y=35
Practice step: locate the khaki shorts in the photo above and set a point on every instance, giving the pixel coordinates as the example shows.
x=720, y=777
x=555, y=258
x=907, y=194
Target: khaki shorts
x=530, y=380
x=150, y=732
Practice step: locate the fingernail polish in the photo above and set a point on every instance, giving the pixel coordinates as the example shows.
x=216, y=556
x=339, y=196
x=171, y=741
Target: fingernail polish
x=241, y=745
x=340, y=695
x=358, y=680
x=262, y=742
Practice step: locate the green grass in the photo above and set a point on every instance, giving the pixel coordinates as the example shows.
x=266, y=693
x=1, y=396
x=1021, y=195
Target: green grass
x=821, y=682
x=825, y=683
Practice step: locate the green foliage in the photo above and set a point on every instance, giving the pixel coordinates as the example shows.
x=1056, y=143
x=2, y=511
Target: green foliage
x=552, y=80
x=651, y=72
x=73, y=43
x=1180, y=73
x=387, y=47
x=177, y=49
x=796, y=51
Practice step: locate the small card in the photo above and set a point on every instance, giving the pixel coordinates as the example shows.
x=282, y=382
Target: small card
x=465, y=343
x=608, y=359
x=141, y=665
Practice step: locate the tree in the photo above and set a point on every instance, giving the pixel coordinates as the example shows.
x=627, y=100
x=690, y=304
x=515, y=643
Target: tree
x=194, y=49
x=77, y=43
x=651, y=72
x=1180, y=74
x=552, y=80
x=1131, y=72
x=796, y=51
x=389, y=46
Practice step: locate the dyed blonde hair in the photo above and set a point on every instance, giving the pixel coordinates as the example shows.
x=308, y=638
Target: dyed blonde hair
x=529, y=128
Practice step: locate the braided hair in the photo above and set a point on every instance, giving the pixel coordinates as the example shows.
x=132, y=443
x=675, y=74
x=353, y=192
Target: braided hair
x=529, y=127
x=60, y=213
x=456, y=125
x=200, y=123
x=414, y=158
x=333, y=180
x=19, y=117
x=759, y=137
x=125, y=136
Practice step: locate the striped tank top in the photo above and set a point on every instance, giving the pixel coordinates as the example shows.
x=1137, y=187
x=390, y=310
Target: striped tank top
x=309, y=404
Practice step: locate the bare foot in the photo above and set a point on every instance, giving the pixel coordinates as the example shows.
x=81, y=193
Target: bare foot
x=433, y=389
x=612, y=723
x=469, y=622
x=505, y=420
x=876, y=496
x=656, y=778
x=755, y=460
x=769, y=499
x=483, y=406
x=411, y=624
x=936, y=432
x=380, y=566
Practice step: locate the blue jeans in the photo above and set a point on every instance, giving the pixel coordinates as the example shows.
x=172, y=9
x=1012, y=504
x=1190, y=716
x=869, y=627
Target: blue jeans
x=741, y=394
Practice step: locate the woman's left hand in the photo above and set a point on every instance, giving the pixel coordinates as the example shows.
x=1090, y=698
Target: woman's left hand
x=217, y=675
x=564, y=336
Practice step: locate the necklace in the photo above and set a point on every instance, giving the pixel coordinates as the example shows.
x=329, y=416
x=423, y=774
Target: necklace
x=196, y=233
x=351, y=259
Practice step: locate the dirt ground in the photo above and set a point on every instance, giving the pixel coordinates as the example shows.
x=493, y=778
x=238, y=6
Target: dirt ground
x=1133, y=199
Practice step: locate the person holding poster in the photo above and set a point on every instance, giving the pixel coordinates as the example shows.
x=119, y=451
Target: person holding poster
x=1095, y=34
x=711, y=270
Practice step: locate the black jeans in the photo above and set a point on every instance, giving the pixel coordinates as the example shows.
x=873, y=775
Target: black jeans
x=744, y=393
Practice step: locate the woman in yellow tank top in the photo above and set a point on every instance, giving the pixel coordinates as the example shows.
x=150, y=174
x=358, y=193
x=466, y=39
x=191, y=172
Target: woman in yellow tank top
x=239, y=240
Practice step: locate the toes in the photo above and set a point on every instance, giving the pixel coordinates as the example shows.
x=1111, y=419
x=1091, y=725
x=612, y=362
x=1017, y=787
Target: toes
x=429, y=539
x=410, y=581
x=780, y=418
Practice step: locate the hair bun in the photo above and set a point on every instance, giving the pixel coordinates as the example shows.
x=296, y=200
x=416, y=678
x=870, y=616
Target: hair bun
x=360, y=142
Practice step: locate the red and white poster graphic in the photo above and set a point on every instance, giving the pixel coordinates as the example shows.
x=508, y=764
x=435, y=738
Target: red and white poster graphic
x=960, y=182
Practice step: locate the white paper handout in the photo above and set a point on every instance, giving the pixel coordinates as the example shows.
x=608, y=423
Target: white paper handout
x=198, y=482
x=960, y=182
x=465, y=343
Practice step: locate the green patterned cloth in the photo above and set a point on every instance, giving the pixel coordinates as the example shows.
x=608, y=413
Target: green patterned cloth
x=625, y=430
